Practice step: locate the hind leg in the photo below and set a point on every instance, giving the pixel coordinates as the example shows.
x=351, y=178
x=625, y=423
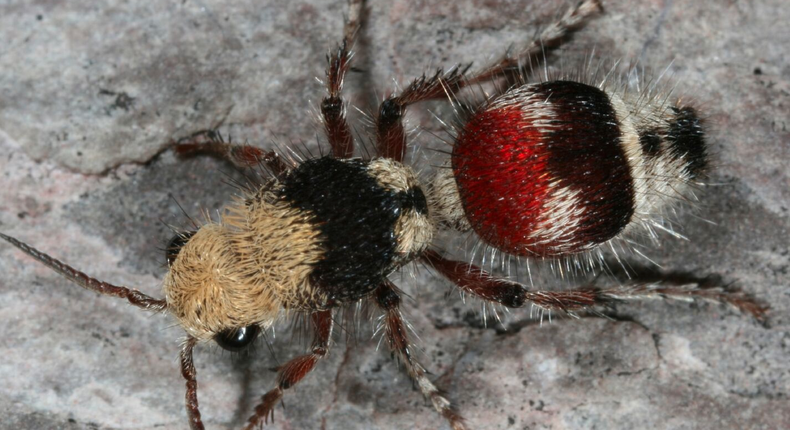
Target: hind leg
x=473, y=280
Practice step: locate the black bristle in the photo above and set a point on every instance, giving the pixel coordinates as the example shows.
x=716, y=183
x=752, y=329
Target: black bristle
x=686, y=139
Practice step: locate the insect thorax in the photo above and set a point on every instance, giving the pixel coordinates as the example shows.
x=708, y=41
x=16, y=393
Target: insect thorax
x=327, y=233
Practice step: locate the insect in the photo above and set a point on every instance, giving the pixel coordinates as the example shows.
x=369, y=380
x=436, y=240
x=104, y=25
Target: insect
x=329, y=231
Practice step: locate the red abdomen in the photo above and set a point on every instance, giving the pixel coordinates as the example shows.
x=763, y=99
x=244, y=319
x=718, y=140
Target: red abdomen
x=541, y=170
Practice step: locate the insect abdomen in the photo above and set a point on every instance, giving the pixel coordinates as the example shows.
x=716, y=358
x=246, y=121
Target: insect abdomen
x=560, y=167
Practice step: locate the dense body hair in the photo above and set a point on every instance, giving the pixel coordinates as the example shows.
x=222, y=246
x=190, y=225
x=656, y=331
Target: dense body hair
x=233, y=273
x=546, y=169
x=327, y=233
x=561, y=167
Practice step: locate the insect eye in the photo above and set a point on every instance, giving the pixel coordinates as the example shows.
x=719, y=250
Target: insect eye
x=236, y=339
x=176, y=243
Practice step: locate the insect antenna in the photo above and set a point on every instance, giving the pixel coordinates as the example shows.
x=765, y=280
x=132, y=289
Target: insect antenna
x=131, y=295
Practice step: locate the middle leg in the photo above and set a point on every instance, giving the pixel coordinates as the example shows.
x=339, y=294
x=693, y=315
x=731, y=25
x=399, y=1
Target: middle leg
x=390, y=135
x=333, y=111
x=388, y=299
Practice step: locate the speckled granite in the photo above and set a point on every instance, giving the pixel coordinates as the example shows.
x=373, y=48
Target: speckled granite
x=90, y=87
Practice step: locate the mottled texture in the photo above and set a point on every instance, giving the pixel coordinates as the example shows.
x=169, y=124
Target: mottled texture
x=87, y=86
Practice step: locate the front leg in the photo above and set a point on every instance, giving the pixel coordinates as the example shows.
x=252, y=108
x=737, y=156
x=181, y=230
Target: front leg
x=190, y=375
x=242, y=156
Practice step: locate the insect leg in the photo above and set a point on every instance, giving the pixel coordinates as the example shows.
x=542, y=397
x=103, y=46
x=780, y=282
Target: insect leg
x=388, y=299
x=131, y=295
x=243, y=156
x=189, y=373
x=296, y=369
x=534, y=53
x=390, y=136
x=471, y=279
x=333, y=107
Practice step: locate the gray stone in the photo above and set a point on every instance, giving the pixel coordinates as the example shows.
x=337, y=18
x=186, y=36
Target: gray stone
x=92, y=93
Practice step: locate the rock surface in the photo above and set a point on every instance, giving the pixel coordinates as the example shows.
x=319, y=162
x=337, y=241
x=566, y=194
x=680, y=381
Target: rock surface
x=91, y=95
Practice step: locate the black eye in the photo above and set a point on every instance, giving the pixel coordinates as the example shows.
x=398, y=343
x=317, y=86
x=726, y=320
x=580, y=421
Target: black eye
x=175, y=245
x=236, y=339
